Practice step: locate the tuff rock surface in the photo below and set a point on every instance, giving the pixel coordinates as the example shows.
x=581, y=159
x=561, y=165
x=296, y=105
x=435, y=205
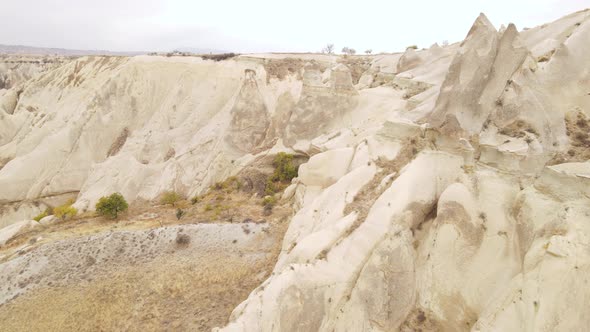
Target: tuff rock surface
x=447, y=189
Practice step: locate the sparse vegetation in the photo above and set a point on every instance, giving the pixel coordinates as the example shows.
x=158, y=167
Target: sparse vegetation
x=413, y=47
x=518, y=129
x=219, y=57
x=179, y=213
x=65, y=211
x=546, y=57
x=40, y=216
x=230, y=184
x=111, y=206
x=269, y=200
x=170, y=198
x=284, y=172
x=357, y=66
x=577, y=125
x=282, y=68
x=195, y=200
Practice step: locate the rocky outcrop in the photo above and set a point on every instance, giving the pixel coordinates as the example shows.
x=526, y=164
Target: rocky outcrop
x=10, y=232
x=321, y=105
x=250, y=117
x=465, y=239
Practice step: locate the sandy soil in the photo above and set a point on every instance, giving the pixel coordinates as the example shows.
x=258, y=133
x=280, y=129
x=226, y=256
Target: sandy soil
x=147, y=271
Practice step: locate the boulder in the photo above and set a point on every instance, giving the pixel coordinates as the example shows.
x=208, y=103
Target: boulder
x=49, y=220
x=324, y=169
x=11, y=231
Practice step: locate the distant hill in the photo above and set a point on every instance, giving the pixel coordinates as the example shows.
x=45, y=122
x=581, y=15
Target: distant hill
x=21, y=49
x=197, y=50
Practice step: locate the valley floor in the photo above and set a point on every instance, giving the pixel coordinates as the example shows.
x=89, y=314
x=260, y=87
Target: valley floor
x=147, y=271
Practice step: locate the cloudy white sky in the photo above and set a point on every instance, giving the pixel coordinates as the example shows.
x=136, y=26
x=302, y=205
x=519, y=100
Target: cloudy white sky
x=260, y=25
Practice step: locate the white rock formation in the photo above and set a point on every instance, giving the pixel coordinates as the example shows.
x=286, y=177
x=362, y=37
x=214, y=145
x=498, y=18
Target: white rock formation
x=448, y=190
x=9, y=232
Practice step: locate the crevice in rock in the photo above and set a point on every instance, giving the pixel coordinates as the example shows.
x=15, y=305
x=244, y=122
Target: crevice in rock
x=119, y=142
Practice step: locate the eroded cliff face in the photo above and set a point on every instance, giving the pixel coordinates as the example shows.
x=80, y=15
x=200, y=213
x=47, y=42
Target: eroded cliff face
x=447, y=189
x=462, y=223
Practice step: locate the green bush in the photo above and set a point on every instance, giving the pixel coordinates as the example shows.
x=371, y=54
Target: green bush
x=110, y=206
x=65, y=211
x=284, y=172
x=40, y=216
x=170, y=197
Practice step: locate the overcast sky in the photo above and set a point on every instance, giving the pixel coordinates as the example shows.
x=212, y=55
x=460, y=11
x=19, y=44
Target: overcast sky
x=260, y=25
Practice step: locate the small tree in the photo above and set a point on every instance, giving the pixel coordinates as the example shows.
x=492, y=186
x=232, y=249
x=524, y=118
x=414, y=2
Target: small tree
x=110, y=206
x=349, y=51
x=369, y=51
x=329, y=49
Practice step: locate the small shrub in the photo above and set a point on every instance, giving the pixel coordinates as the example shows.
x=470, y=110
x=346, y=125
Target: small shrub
x=183, y=239
x=272, y=188
x=483, y=216
x=110, y=206
x=40, y=216
x=179, y=213
x=208, y=207
x=269, y=200
x=170, y=197
x=267, y=210
x=230, y=184
x=195, y=200
x=65, y=211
